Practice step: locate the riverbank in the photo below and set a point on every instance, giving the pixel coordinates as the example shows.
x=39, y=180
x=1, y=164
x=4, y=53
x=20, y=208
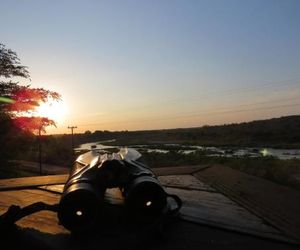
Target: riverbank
x=279, y=166
x=283, y=172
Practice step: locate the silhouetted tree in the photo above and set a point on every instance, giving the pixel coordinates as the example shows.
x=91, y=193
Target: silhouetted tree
x=18, y=101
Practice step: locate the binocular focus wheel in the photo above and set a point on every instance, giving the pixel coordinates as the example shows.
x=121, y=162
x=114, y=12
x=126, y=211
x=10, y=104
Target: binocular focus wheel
x=79, y=210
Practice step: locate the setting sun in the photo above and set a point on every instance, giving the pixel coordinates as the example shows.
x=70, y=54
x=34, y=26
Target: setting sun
x=55, y=110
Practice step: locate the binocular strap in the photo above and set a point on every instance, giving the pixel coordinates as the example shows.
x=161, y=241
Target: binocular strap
x=178, y=202
x=15, y=213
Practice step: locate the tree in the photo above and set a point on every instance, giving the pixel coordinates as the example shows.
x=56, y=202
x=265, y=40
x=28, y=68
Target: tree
x=10, y=65
x=17, y=104
x=17, y=101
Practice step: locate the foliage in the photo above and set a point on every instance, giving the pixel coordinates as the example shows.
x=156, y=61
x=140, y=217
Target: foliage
x=56, y=150
x=31, y=124
x=18, y=101
x=10, y=65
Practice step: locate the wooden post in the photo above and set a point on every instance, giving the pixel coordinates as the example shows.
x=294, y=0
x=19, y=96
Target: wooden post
x=40, y=150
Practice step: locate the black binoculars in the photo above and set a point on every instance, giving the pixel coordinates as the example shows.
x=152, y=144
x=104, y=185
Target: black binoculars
x=82, y=201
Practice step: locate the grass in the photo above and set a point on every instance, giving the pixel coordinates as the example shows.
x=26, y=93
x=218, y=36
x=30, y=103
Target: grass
x=270, y=168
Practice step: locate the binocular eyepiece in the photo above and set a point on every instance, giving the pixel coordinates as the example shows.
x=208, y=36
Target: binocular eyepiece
x=82, y=202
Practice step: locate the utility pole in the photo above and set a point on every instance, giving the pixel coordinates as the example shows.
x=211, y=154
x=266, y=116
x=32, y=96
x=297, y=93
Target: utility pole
x=72, y=128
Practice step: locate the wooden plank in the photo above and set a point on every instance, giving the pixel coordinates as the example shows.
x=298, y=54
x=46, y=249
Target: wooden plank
x=211, y=208
x=35, y=181
x=52, y=188
x=276, y=204
x=203, y=207
x=185, y=182
x=177, y=236
x=30, y=182
x=208, y=208
x=44, y=221
x=177, y=181
x=180, y=170
x=182, y=182
x=216, y=210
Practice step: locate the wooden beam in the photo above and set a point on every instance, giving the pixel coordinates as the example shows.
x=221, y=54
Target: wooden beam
x=277, y=204
x=31, y=182
x=35, y=181
x=190, y=169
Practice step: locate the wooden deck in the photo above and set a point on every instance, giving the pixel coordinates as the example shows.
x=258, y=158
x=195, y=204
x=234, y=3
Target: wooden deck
x=276, y=204
x=215, y=213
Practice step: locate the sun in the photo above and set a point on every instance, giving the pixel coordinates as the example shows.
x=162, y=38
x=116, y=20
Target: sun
x=54, y=110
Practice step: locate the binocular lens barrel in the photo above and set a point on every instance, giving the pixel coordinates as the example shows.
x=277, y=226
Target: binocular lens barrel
x=145, y=198
x=80, y=207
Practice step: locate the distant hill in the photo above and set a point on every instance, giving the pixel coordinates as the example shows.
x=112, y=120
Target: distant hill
x=276, y=132
x=283, y=131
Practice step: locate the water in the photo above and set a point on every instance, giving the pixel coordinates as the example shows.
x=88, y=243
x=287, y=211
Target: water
x=283, y=154
x=95, y=145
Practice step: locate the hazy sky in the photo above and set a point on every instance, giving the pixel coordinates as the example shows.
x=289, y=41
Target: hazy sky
x=159, y=64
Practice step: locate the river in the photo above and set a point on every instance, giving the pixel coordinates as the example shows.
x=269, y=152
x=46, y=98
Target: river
x=283, y=154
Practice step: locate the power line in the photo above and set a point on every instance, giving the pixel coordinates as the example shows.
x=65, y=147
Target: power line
x=241, y=105
x=199, y=114
x=217, y=94
x=263, y=85
x=268, y=85
x=218, y=108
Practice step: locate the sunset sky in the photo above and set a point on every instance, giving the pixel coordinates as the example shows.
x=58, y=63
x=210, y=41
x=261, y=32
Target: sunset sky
x=133, y=65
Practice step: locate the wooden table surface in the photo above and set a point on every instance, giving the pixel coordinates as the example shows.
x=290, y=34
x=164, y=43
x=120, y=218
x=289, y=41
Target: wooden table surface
x=214, y=215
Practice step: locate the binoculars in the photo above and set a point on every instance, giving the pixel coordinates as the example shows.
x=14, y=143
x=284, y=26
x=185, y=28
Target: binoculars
x=93, y=174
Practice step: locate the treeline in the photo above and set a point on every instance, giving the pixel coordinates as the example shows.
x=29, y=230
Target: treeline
x=25, y=146
x=277, y=132
x=57, y=149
